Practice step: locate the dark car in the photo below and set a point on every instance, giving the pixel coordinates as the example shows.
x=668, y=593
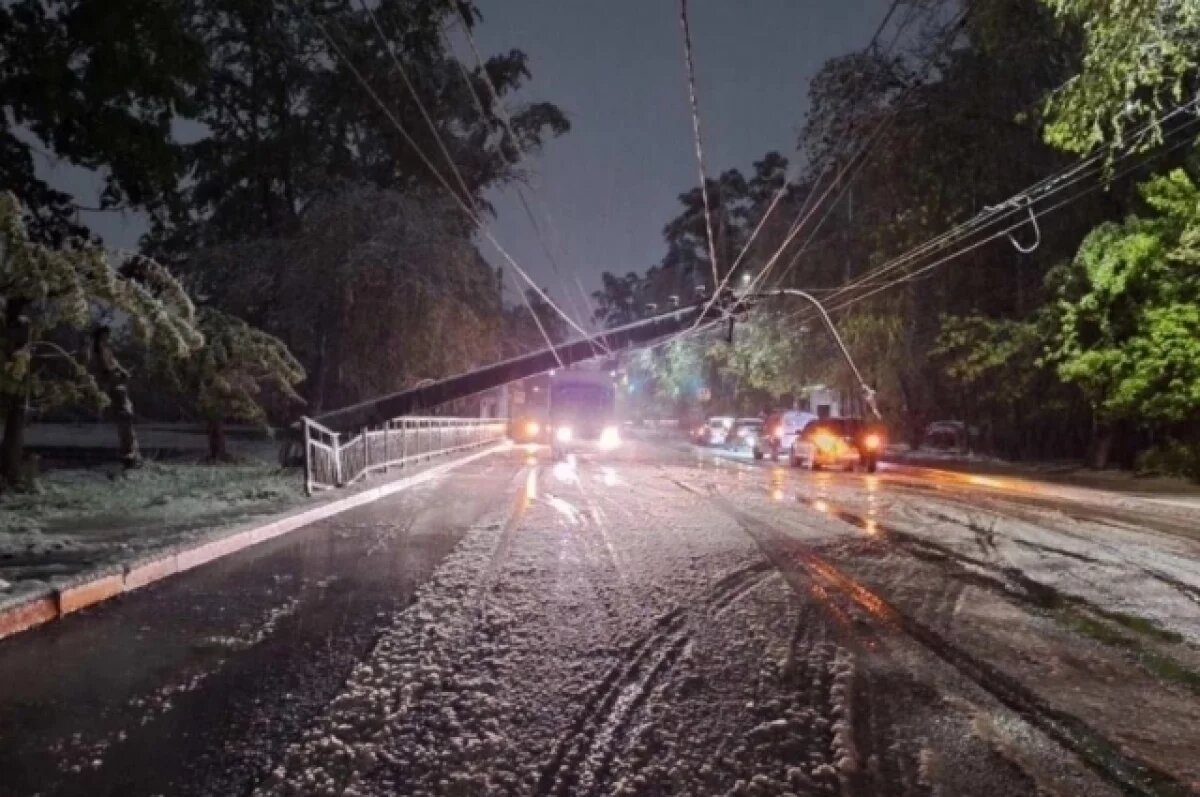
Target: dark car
x=846, y=442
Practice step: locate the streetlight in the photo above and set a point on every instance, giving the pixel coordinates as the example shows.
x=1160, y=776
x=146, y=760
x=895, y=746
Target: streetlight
x=868, y=392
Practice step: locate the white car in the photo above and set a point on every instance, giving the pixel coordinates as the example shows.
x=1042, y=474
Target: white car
x=714, y=431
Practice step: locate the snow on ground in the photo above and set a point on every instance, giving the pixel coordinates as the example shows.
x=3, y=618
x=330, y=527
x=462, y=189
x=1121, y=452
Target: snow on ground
x=81, y=520
x=623, y=634
x=1092, y=615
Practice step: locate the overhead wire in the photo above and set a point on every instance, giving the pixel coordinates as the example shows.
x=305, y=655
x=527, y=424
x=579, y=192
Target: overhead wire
x=1047, y=186
x=856, y=162
x=977, y=244
x=506, y=122
x=695, y=108
x=513, y=161
x=445, y=150
x=466, y=208
x=805, y=212
x=1052, y=186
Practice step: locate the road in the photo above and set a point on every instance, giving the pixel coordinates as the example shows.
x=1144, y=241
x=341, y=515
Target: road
x=663, y=621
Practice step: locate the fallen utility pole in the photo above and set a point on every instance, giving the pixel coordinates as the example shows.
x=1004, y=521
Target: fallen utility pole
x=427, y=395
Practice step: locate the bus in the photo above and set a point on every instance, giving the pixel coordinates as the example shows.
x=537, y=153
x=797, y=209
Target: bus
x=583, y=410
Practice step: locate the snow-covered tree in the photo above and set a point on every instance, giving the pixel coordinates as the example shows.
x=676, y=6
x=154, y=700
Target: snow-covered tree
x=225, y=379
x=49, y=300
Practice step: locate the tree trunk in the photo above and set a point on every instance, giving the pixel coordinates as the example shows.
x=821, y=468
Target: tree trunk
x=1101, y=448
x=18, y=334
x=13, y=447
x=216, y=440
x=115, y=381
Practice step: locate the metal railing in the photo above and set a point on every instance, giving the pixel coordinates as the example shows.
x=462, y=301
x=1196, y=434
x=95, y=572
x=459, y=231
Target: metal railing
x=333, y=459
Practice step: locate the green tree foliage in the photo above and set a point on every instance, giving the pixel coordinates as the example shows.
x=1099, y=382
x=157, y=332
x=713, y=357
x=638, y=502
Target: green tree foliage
x=286, y=121
x=375, y=290
x=50, y=298
x=1140, y=57
x=98, y=84
x=226, y=378
x=1127, y=310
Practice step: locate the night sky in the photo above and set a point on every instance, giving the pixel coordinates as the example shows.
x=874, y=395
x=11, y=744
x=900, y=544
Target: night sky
x=616, y=68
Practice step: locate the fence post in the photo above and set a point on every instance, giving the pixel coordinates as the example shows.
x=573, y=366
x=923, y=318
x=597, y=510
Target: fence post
x=337, y=459
x=387, y=431
x=308, y=488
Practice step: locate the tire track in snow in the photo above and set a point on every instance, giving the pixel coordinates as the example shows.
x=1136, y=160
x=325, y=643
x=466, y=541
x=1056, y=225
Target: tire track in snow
x=583, y=757
x=1123, y=771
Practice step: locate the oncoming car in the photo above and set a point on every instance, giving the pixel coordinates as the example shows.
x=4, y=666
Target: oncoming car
x=843, y=443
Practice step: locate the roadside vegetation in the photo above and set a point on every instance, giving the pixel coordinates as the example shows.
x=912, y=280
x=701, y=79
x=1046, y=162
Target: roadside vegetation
x=286, y=216
x=1075, y=337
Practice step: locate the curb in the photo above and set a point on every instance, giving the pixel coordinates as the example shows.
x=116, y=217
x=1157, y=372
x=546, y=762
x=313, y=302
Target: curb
x=40, y=608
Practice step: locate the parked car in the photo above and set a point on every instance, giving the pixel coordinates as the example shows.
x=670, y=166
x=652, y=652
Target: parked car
x=714, y=431
x=779, y=432
x=744, y=434
x=845, y=443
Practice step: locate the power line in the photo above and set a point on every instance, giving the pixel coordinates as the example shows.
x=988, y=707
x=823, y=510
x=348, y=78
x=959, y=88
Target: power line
x=341, y=55
x=695, y=107
x=860, y=158
x=468, y=197
x=1042, y=189
x=513, y=162
x=1055, y=187
x=793, y=230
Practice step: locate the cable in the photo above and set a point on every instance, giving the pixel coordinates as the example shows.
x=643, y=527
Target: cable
x=437, y=174
x=911, y=276
x=1040, y=190
x=950, y=32
x=695, y=106
x=506, y=122
x=468, y=197
x=805, y=211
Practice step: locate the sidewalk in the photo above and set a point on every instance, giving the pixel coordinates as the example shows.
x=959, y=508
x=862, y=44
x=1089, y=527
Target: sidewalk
x=87, y=537
x=1160, y=489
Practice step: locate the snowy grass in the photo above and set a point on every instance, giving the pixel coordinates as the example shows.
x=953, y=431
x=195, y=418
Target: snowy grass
x=82, y=519
x=154, y=493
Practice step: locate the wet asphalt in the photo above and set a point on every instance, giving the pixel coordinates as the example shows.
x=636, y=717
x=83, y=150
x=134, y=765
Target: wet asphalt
x=193, y=685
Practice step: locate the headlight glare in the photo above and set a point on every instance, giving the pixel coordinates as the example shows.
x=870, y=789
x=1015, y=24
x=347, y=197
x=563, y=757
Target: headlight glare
x=563, y=434
x=610, y=437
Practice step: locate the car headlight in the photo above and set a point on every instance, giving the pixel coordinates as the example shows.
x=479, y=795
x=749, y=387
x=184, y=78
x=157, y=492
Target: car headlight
x=532, y=428
x=873, y=442
x=563, y=434
x=610, y=437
